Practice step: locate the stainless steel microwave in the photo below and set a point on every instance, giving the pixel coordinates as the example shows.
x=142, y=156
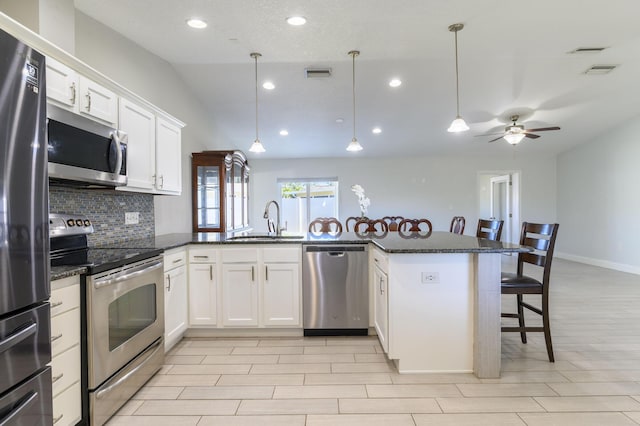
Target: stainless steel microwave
x=83, y=150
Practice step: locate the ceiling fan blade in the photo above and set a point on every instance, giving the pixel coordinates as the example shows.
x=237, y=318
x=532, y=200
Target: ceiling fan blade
x=493, y=140
x=531, y=135
x=491, y=134
x=543, y=129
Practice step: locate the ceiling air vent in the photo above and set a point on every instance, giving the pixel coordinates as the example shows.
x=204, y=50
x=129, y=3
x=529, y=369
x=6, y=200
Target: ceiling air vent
x=600, y=69
x=317, y=72
x=588, y=50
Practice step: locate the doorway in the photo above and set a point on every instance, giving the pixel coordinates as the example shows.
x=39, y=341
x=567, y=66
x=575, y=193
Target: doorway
x=499, y=198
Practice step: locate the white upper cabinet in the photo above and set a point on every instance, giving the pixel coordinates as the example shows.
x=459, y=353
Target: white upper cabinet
x=62, y=85
x=98, y=102
x=140, y=126
x=168, y=157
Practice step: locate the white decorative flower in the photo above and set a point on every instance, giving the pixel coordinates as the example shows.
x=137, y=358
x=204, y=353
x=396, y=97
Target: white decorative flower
x=362, y=200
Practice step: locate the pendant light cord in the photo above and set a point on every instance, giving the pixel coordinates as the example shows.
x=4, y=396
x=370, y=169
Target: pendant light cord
x=457, y=88
x=353, y=76
x=255, y=56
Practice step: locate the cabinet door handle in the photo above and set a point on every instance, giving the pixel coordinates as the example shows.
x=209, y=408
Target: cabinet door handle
x=200, y=257
x=381, y=289
x=73, y=93
x=169, y=282
x=54, y=338
x=56, y=378
x=253, y=274
x=266, y=273
x=88, y=102
x=161, y=181
x=211, y=272
x=177, y=261
x=56, y=304
x=57, y=419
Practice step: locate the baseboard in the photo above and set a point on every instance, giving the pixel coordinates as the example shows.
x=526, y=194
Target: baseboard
x=622, y=267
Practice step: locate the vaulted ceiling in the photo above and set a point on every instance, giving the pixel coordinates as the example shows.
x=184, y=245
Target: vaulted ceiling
x=514, y=58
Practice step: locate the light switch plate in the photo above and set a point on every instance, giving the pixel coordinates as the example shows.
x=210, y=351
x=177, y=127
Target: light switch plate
x=131, y=218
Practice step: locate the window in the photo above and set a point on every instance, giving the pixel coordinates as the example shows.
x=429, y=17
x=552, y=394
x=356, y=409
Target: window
x=303, y=200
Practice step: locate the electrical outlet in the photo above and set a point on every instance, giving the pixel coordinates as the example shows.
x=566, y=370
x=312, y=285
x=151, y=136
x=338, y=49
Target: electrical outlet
x=131, y=218
x=430, y=278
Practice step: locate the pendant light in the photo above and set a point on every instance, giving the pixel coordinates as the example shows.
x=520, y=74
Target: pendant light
x=458, y=125
x=257, y=145
x=354, y=145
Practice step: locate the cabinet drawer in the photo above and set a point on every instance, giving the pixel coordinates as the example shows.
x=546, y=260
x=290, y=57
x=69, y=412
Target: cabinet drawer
x=380, y=260
x=65, y=331
x=202, y=255
x=67, y=407
x=287, y=254
x=65, y=295
x=174, y=259
x=240, y=255
x=65, y=369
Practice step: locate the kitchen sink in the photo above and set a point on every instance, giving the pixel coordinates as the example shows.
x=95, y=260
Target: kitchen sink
x=264, y=237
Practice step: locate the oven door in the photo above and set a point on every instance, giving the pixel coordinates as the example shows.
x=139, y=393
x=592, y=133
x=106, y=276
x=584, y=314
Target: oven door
x=125, y=315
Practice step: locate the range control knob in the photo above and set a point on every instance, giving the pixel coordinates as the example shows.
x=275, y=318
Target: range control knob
x=87, y=222
x=71, y=222
x=79, y=222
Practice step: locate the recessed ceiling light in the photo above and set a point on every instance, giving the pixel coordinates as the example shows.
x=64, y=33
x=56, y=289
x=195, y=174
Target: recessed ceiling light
x=395, y=82
x=376, y=130
x=296, y=20
x=196, y=23
x=284, y=132
x=339, y=120
x=268, y=85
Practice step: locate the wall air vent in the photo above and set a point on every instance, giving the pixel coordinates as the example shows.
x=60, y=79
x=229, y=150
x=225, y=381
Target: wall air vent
x=317, y=72
x=587, y=50
x=600, y=69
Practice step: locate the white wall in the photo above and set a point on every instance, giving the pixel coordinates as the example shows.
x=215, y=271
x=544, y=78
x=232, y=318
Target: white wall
x=155, y=80
x=437, y=188
x=599, y=201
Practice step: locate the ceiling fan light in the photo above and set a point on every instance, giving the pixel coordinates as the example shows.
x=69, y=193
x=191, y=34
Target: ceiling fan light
x=257, y=146
x=354, y=146
x=458, y=125
x=514, y=138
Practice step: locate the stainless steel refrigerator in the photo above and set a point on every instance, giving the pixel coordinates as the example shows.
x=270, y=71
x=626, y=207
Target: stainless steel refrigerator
x=25, y=345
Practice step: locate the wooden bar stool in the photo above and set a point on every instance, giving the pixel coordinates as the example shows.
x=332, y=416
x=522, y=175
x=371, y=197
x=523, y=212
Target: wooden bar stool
x=490, y=229
x=542, y=237
x=325, y=225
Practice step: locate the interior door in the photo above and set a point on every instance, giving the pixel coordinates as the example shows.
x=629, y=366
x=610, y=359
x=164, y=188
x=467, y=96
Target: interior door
x=501, y=203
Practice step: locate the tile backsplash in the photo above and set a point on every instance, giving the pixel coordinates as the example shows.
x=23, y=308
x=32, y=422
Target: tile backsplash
x=106, y=209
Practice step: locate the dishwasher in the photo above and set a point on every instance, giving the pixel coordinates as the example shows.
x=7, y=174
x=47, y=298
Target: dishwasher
x=335, y=290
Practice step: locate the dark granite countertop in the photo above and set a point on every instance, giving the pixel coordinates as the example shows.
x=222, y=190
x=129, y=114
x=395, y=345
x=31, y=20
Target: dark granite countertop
x=392, y=242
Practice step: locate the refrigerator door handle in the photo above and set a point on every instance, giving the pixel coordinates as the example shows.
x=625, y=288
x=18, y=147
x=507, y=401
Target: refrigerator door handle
x=18, y=336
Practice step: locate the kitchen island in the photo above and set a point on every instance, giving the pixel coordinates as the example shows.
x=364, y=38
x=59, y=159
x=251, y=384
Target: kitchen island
x=435, y=298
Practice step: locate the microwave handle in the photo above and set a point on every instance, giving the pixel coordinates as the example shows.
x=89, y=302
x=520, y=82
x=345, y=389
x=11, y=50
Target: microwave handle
x=117, y=137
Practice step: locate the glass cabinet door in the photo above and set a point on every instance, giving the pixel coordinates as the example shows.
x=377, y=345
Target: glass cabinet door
x=220, y=188
x=208, y=196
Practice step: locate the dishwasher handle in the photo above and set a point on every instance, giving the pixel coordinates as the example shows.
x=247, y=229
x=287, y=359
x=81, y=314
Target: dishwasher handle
x=335, y=249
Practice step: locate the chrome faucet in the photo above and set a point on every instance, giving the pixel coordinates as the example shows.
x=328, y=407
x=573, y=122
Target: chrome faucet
x=266, y=216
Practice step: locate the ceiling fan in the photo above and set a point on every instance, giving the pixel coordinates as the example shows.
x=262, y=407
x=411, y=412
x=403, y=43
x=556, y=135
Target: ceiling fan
x=514, y=132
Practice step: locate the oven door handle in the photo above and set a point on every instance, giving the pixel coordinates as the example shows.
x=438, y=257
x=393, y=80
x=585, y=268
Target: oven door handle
x=126, y=275
x=126, y=377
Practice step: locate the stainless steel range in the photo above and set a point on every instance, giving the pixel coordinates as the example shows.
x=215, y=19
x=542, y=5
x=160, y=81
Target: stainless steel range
x=123, y=302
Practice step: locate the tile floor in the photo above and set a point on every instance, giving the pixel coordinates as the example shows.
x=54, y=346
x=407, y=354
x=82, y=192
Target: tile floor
x=347, y=381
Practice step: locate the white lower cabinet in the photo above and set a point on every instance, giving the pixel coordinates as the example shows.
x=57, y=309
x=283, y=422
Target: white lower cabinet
x=239, y=294
x=260, y=286
x=380, y=288
x=65, y=351
x=203, y=289
x=281, y=294
x=175, y=297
